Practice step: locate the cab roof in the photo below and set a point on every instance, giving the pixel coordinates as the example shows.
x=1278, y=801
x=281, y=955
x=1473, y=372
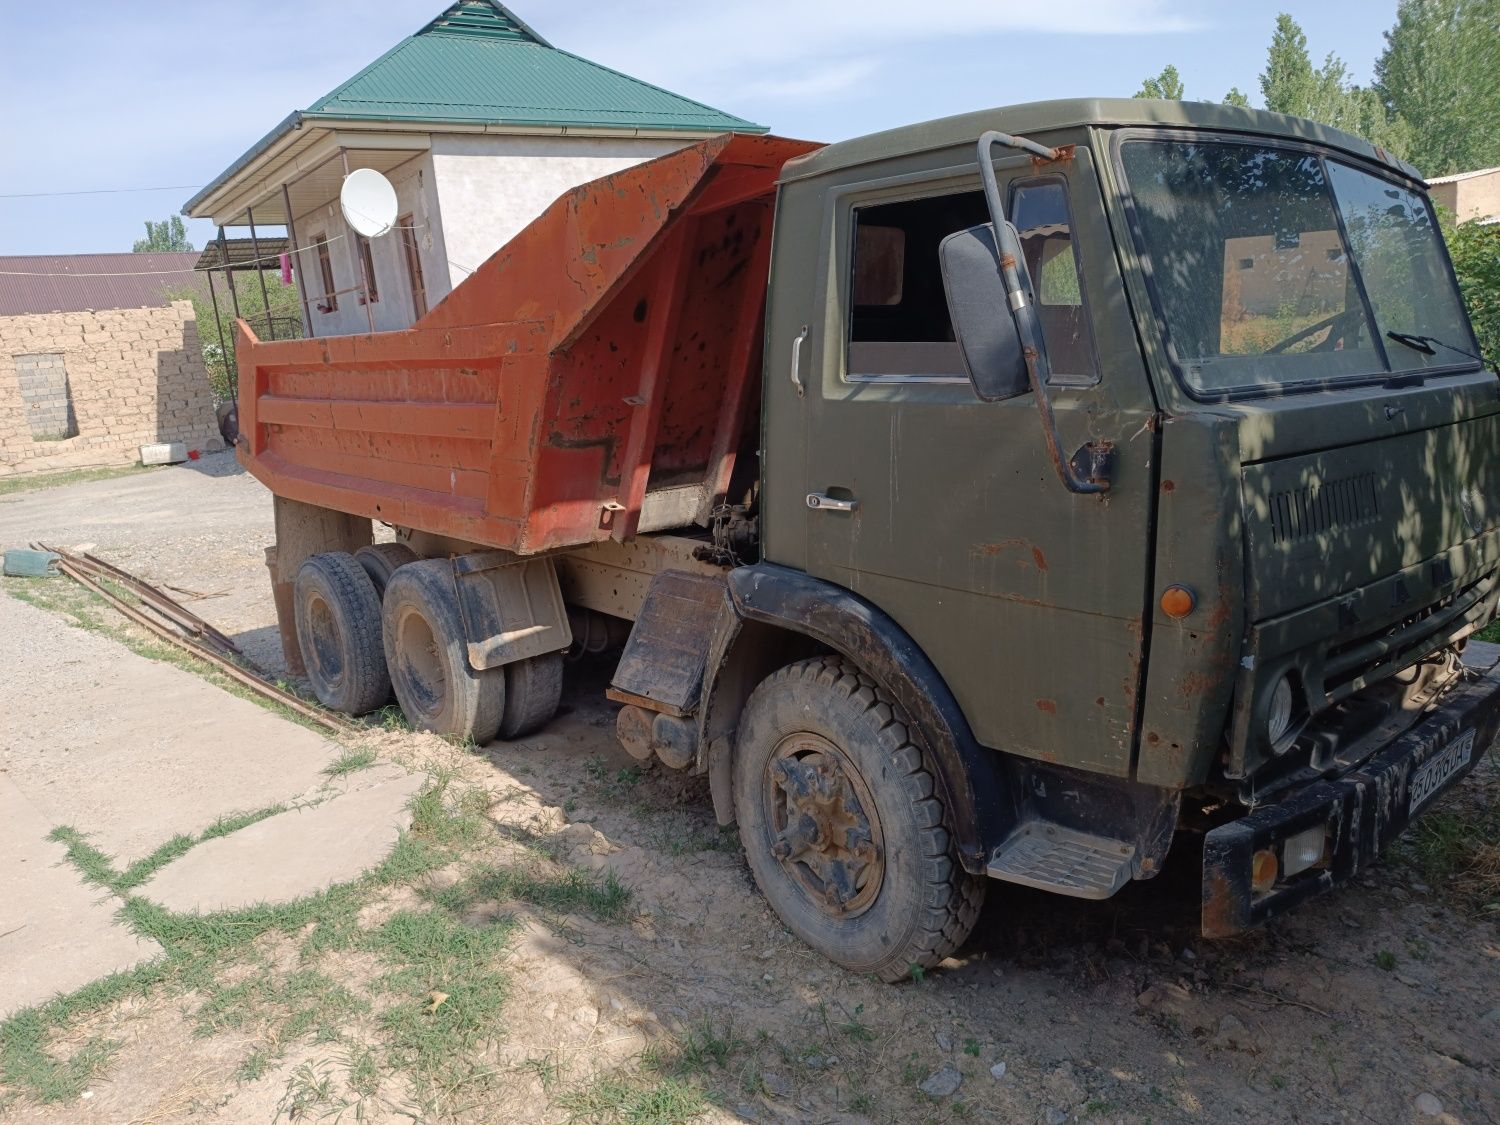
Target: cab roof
x=1035, y=119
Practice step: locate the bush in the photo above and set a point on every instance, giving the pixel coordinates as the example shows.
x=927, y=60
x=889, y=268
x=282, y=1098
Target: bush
x=1476, y=259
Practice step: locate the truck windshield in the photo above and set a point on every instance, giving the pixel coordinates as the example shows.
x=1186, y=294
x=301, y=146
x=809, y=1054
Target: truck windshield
x=1278, y=267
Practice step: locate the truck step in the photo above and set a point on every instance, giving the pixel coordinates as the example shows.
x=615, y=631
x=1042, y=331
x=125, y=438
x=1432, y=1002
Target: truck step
x=1063, y=860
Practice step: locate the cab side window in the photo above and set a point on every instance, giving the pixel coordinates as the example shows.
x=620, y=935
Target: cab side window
x=1039, y=211
x=899, y=326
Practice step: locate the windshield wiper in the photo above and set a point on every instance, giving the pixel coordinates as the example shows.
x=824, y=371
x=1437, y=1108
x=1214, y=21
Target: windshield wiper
x=1424, y=344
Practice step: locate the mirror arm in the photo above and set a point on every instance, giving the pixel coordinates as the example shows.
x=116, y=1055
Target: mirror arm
x=1096, y=460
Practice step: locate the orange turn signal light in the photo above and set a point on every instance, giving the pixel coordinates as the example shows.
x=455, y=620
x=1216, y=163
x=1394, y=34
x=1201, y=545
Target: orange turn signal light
x=1178, y=601
x=1264, y=869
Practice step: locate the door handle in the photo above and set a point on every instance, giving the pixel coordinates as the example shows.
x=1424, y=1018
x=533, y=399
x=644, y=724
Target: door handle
x=825, y=503
x=797, y=362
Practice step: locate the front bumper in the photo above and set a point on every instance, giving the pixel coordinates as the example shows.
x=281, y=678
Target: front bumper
x=1362, y=811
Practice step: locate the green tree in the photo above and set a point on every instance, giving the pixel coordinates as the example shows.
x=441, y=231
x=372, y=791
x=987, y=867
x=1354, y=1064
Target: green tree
x=1291, y=84
x=166, y=237
x=1476, y=261
x=284, y=322
x=1167, y=84
x=1235, y=97
x=1440, y=72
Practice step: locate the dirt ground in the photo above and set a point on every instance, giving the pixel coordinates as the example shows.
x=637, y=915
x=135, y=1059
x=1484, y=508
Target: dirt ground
x=1379, y=1003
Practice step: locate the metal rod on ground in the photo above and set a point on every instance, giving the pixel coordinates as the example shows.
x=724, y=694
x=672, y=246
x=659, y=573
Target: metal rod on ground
x=179, y=615
x=291, y=241
x=254, y=683
x=260, y=272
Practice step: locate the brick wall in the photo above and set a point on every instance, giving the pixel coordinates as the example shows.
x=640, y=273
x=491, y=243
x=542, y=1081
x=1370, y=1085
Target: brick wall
x=115, y=380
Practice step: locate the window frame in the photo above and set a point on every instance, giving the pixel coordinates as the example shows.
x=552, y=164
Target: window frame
x=1324, y=154
x=325, y=274
x=416, y=279
x=366, y=262
x=937, y=184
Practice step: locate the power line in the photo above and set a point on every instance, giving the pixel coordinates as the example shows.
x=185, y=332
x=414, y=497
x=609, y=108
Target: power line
x=96, y=191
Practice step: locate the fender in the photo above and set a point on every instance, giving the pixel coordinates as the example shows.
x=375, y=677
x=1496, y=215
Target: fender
x=979, y=786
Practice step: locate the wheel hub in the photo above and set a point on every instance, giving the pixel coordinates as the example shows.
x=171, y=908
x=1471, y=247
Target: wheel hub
x=828, y=836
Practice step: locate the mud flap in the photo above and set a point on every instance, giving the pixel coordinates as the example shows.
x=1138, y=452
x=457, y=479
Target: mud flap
x=512, y=609
x=663, y=663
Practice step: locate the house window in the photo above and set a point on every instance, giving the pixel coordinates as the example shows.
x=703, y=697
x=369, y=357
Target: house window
x=47, y=397
x=413, y=266
x=372, y=290
x=330, y=302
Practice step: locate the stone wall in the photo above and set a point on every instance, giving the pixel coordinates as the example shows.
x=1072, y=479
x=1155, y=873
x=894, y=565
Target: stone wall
x=90, y=388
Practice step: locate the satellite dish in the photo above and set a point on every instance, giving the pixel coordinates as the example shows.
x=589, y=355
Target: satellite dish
x=369, y=202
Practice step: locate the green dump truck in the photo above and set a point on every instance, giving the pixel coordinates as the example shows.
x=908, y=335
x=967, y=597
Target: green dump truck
x=1001, y=497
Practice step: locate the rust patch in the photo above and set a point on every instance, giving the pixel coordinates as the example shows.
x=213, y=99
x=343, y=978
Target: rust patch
x=1047, y=706
x=1197, y=683
x=1167, y=486
x=1099, y=702
x=1039, y=558
x=1060, y=155
x=1152, y=737
x=1219, y=913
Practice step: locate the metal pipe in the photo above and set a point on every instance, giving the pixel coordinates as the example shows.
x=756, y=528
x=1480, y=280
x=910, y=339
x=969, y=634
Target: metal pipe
x=219, y=324
x=234, y=297
x=1033, y=346
x=260, y=272
x=359, y=255
x=296, y=252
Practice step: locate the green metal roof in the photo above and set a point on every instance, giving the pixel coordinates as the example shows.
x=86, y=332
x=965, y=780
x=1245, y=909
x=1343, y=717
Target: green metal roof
x=479, y=63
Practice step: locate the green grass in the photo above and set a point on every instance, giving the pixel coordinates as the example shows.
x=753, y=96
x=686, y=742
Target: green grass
x=619, y=1100
x=350, y=761
x=565, y=891
x=223, y=958
x=36, y=482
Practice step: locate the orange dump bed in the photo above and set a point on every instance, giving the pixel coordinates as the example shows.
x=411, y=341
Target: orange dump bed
x=590, y=380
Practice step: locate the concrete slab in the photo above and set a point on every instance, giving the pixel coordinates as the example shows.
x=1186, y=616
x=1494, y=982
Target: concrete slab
x=57, y=933
x=131, y=751
x=288, y=856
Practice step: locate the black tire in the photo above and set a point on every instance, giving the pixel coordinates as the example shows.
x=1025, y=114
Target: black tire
x=380, y=561
x=533, y=688
x=922, y=904
x=427, y=653
x=337, y=614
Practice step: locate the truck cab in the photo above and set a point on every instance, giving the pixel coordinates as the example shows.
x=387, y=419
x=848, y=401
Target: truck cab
x=1255, y=320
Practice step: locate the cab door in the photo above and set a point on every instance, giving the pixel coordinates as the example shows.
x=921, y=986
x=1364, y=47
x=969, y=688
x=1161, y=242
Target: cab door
x=946, y=511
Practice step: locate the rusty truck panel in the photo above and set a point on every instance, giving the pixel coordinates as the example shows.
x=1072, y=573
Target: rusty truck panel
x=589, y=381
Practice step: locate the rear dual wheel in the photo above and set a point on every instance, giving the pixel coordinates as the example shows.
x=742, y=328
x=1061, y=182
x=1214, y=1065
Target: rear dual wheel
x=337, y=613
x=426, y=650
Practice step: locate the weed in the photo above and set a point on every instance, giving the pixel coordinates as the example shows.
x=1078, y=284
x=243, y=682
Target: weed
x=566, y=891
x=1278, y=1082
x=546, y=1070
x=91, y=863
x=972, y=1048
x=35, y=482
x=862, y=1103
x=629, y=1101
x=350, y=761
x=310, y=1087
x=857, y=1029
x=391, y=718
x=918, y=972
x=911, y=1070
x=1386, y=960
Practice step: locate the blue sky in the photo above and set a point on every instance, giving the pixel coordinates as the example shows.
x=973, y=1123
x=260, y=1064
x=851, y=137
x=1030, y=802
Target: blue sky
x=168, y=93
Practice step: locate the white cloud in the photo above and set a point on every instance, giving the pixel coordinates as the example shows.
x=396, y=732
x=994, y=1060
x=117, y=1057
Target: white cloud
x=829, y=79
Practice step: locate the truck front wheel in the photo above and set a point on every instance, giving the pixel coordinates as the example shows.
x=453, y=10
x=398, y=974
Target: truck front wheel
x=427, y=653
x=843, y=826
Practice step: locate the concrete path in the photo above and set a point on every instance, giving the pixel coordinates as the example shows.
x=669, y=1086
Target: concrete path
x=56, y=932
x=131, y=752
x=289, y=856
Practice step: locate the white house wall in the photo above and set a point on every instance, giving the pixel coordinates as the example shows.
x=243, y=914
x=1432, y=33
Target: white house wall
x=491, y=186
x=416, y=195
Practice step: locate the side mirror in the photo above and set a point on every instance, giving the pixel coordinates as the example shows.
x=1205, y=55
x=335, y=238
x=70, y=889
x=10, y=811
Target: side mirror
x=982, y=317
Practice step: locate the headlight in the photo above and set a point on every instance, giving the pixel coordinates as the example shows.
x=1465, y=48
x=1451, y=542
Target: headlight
x=1279, y=713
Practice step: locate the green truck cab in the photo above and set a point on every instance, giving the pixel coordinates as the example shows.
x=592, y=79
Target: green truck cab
x=1104, y=472
x=1236, y=601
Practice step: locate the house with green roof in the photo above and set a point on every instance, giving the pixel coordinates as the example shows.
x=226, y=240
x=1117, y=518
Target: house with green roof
x=480, y=123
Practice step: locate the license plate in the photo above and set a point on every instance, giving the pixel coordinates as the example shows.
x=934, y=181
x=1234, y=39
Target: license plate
x=1430, y=778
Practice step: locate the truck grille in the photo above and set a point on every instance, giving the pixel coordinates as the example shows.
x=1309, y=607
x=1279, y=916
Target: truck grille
x=1352, y=665
x=1301, y=513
